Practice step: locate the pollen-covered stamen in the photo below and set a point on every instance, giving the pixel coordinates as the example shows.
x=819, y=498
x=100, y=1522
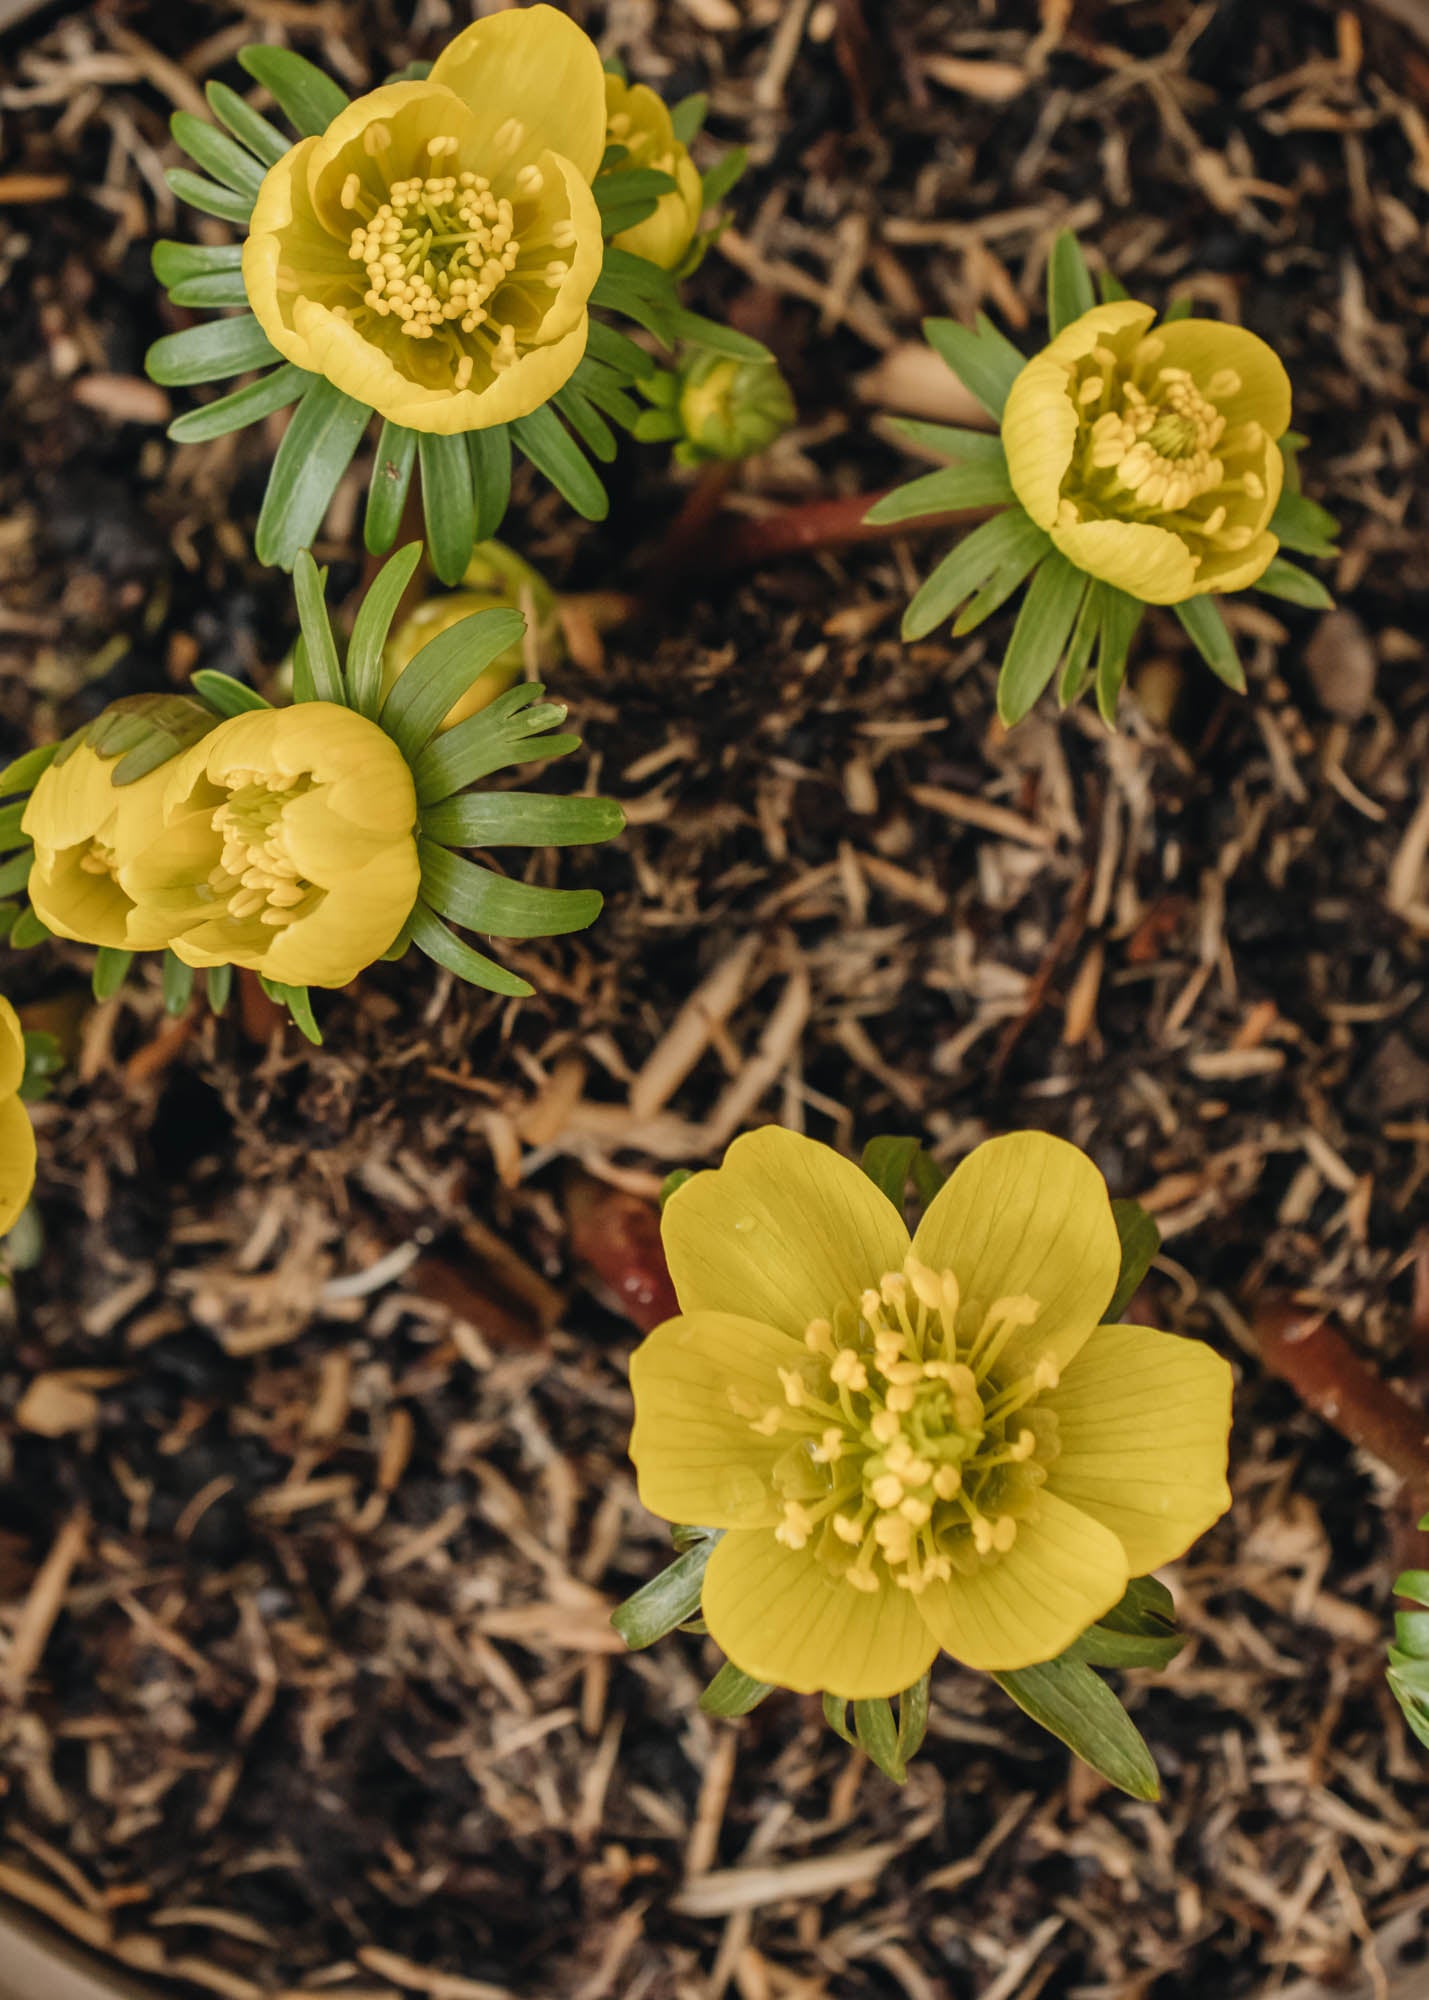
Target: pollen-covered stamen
x=99, y=858
x=909, y=1454
x=255, y=875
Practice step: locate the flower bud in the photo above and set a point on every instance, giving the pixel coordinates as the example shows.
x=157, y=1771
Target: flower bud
x=731, y=409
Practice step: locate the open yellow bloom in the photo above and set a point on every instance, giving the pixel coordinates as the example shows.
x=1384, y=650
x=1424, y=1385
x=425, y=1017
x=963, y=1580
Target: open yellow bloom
x=915, y=1446
x=432, y=252
x=17, y=1135
x=1151, y=458
x=639, y=120
x=288, y=846
x=82, y=823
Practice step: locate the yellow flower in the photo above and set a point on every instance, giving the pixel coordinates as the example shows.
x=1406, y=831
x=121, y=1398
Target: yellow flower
x=17, y=1135
x=82, y=823
x=915, y=1447
x=639, y=120
x=287, y=846
x=496, y=579
x=432, y=252
x=1151, y=459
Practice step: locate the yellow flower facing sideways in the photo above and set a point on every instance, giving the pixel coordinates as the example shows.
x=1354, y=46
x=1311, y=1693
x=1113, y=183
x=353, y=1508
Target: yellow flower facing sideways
x=432, y=252
x=639, y=120
x=82, y=823
x=17, y=1135
x=915, y=1446
x=287, y=845
x=1151, y=458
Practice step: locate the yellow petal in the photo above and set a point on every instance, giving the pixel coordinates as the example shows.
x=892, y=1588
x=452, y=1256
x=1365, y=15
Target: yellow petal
x=1238, y=569
x=1147, y=562
x=698, y=1459
x=1039, y=432
x=360, y=767
x=1060, y=1575
x=1027, y=1215
x=532, y=65
x=1143, y=1420
x=784, y=1232
x=1205, y=346
x=783, y=1618
x=583, y=259
x=73, y=903
x=17, y=1161
x=351, y=927
x=12, y=1050
x=71, y=801
x=412, y=112
x=269, y=254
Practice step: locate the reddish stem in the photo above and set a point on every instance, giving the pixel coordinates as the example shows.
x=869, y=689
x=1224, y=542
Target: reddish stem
x=1299, y=1345
x=818, y=524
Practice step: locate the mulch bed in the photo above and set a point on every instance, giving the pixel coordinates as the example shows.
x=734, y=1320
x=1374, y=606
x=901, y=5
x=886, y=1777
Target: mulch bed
x=311, y=1683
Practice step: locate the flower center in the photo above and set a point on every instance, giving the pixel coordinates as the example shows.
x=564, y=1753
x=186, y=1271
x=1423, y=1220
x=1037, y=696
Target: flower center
x=912, y=1444
x=256, y=876
x=442, y=245
x=99, y=858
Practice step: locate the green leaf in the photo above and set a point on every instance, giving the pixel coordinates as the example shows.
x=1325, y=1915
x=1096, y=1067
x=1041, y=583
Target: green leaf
x=209, y=197
x=241, y=407
x=223, y=693
x=733, y=1692
x=175, y=263
x=209, y=351
x=323, y=663
x=664, y=1603
x=1413, y=1584
x=1069, y=283
x=587, y=423
x=371, y=627
x=928, y=1177
x=440, y=674
x=495, y=906
x=1077, y=667
x=953, y=486
x=15, y=873
x=984, y=360
x=1178, y=309
x=248, y=126
x=299, y=1004
x=888, y=1162
x=913, y=1718
x=444, y=948
x=521, y=819
x=1065, y=1697
x=996, y=555
x=447, y=503
x=1305, y=527
x=637, y=188
x=111, y=969
x=836, y=1716
x=1121, y=615
x=218, y=983
x=1140, y=1241
x=1204, y=625
x=213, y=293
x=687, y=117
x=11, y=829
x=490, y=454
x=27, y=931
x=317, y=449
x=388, y=487
x=715, y=337
x=24, y=773
x=961, y=446
x=304, y=687
x=1139, y=1631
x=727, y=169
x=553, y=452
x=217, y=154
x=1295, y=585
x=1111, y=288
x=877, y=1733
x=1044, y=625
x=509, y=730
x=306, y=95
x=178, y=980
x=618, y=351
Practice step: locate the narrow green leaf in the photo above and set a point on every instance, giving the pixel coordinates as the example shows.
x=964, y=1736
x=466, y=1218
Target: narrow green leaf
x=306, y=95
x=27, y=931
x=440, y=674
x=490, y=454
x=1413, y=1584
x=1044, y=625
x=111, y=969
x=1111, y=288
x=218, y=983
x=952, y=486
x=388, y=487
x=209, y=351
x=241, y=407
x=672, y=1184
x=928, y=1177
x=317, y=449
x=1002, y=550
x=877, y=1733
x=1140, y=1241
x=304, y=686
x=951, y=441
x=603, y=388
x=888, y=1162
x=178, y=982
x=371, y=627
x=687, y=117
x=446, y=949
x=713, y=335
x=447, y=503
x=1178, y=309
x=836, y=1716
x=323, y=663
x=1302, y=525
x=246, y=124
x=224, y=694
x=631, y=184
x=508, y=730
x=663, y=1604
x=11, y=816
x=1066, y=1698
x=727, y=169
x=1295, y=585
x=299, y=1004
x=217, y=154
x=209, y=197
x=587, y=423
x=15, y=872
x=521, y=819
x=1121, y=615
x=1077, y=667
x=913, y=1718
x=1204, y=625
x=618, y=351
x=553, y=452
x=733, y=1692
x=984, y=360
x=175, y=263
x=1069, y=283
x=26, y=770
x=495, y=906
x=214, y=291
